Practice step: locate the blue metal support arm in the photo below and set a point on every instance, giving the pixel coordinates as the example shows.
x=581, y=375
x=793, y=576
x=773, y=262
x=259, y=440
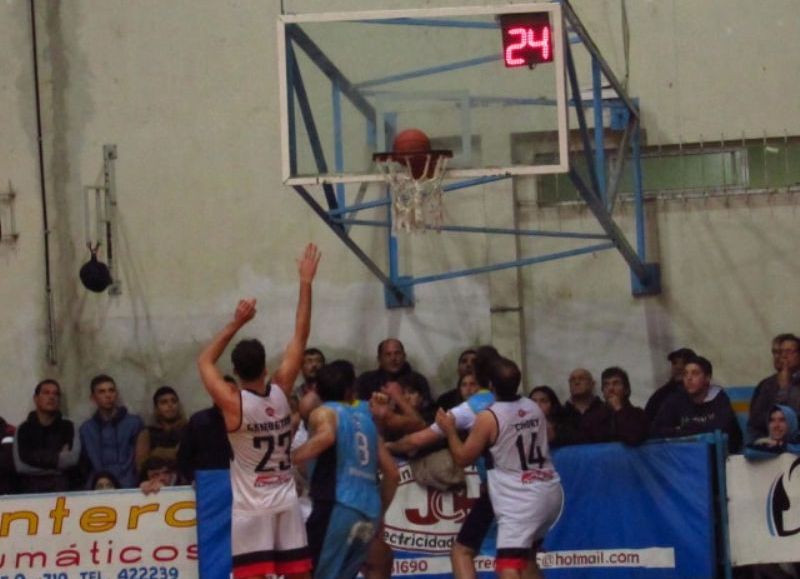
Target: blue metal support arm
x=578, y=27
x=337, y=229
x=505, y=265
x=430, y=71
x=484, y=230
x=583, y=130
x=330, y=70
x=383, y=202
x=311, y=126
x=610, y=227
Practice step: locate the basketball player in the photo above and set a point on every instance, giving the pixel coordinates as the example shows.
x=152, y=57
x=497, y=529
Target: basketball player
x=481, y=516
x=267, y=531
x=348, y=501
x=524, y=487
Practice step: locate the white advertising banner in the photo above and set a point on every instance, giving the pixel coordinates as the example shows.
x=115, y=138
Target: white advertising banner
x=764, y=509
x=99, y=535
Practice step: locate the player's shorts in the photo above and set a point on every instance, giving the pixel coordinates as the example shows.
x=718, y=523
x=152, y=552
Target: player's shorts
x=269, y=543
x=339, y=539
x=523, y=524
x=477, y=523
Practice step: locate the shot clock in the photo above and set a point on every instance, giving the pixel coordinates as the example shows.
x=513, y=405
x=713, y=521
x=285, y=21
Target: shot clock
x=527, y=39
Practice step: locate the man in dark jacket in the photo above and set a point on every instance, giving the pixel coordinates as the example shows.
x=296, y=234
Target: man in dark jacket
x=108, y=438
x=700, y=408
x=677, y=360
x=46, y=449
x=204, y=444
x=618, y=420
x=392, y=365
x=582, y=408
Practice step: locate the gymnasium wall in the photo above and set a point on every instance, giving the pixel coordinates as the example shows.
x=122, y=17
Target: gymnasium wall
x=188, y=92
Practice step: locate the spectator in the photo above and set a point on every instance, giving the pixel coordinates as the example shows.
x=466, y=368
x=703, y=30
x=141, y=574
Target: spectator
x=108, y=438
x=163, y=436
x=103, y=481
x=618, y=420
x=313, y=360
x=782, y=435
x=204, y=444
x=454, y=397
x=158, y=472
x=677, y=360
x=699, y=408
x=392, y=365
x=780, y=388
x=548, y=401
x=8, y=474
x=580, y=407
x=468, y=385
x=46, y=449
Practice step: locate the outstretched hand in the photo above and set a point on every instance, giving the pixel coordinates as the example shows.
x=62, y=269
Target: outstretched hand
x=245, y=311
x=445, y=421
x=307, y=263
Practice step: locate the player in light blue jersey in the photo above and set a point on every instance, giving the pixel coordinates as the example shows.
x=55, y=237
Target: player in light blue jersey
x=348, y=497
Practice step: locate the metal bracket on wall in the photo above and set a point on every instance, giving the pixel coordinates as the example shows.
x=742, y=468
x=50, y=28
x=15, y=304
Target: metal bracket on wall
x=8, y=226
x=100, y=214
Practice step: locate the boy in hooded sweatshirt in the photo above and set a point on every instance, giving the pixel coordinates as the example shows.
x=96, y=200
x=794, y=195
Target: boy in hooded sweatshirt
x=782, y=428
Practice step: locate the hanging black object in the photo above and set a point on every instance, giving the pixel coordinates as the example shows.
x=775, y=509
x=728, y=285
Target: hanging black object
x=95, y=275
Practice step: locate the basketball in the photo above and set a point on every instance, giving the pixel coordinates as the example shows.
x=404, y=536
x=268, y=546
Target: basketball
x=411, y=141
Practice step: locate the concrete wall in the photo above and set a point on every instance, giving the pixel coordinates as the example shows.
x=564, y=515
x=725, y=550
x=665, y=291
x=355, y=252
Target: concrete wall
x=188, y=93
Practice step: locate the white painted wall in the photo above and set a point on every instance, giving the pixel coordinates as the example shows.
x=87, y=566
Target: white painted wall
x=188, y=92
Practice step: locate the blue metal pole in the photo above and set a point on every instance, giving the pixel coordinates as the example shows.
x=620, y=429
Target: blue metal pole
x=505, y=265
x=338, y=145
x=599, y=141
x=638, y=195
x=483, y=230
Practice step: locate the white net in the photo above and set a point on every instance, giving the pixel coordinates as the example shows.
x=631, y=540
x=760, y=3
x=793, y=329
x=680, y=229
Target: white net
x=415, y=185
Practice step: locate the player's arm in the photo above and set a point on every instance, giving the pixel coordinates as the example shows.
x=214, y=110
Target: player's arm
x=292, y=360
x=226, y=398
x=410, y=444
x=322, y=435
x=390, y=476
x=405, y=419
x=480, y=437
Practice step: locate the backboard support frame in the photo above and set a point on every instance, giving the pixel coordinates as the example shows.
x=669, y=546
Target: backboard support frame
x=600, y=193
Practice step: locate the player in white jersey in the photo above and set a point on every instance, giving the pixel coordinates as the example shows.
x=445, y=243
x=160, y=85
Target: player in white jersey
x=524, y=487
x=267, y=531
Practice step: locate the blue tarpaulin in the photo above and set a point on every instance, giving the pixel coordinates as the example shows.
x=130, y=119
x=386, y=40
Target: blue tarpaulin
x=643, y=512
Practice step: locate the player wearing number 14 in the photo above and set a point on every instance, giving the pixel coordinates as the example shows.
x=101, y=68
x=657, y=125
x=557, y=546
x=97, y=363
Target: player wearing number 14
x=524, y=487
x=267, y=532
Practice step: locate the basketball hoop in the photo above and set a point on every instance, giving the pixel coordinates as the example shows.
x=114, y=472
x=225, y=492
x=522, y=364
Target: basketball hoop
x=415, y=184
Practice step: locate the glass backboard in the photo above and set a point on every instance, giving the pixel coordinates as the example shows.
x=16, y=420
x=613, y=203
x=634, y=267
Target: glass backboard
x=473, y=79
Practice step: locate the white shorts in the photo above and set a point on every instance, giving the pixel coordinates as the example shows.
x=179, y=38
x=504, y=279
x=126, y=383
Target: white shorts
x=522, y=522
x=272, y=543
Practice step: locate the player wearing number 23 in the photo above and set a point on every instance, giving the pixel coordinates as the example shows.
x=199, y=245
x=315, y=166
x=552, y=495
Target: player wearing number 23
x=524, y=487
x=348, y=500
x=267, y=532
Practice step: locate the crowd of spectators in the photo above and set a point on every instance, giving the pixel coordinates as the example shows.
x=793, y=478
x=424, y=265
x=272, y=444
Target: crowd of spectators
x=114, y=448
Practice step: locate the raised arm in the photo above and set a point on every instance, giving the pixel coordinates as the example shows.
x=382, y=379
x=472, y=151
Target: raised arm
x=292, y=360
x=480, y=437
x=322, y=435
x=227, y=399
